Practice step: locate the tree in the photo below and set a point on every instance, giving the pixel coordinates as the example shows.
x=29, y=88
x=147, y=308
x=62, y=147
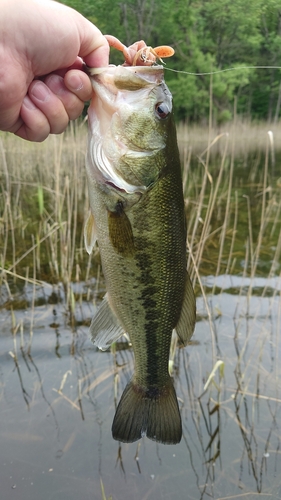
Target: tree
x=208, y=36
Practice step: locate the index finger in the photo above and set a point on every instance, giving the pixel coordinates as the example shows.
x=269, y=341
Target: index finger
x=94, y=48
x=98, y=58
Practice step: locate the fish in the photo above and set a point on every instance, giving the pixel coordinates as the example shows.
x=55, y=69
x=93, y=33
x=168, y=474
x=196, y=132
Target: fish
x=137, y=218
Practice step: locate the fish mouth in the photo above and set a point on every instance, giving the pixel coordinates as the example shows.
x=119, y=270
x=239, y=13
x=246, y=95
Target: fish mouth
x=115, y=85
x=115, y=78
x=113, y=151
x=146, y=71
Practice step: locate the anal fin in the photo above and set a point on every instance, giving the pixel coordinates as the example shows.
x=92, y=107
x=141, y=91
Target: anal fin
x=105, y=327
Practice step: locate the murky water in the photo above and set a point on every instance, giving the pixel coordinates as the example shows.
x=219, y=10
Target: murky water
x=58, y=396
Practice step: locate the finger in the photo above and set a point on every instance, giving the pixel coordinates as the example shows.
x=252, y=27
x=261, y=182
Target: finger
x=94, y=48
x=33, y=125
x=79, y=83
x=12, y=92
x=50, y=105
x=73, y=104
x=78, y=64
x=99, y=57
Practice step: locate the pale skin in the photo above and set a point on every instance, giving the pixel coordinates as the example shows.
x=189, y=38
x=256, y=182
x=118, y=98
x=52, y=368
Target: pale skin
x=43, y=45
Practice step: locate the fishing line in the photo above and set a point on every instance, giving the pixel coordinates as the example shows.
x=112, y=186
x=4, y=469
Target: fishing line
x=221, y=70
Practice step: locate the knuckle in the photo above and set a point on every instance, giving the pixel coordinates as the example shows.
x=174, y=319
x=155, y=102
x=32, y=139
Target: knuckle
x=74, y=109
x=39, y=132
x=58, y=122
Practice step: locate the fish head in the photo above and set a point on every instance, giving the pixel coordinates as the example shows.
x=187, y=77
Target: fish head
x=129, y=122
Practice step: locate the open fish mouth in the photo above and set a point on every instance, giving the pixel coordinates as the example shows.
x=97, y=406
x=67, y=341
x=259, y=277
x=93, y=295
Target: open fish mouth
x=122, y=96
x=147, y=72
x=109, y=81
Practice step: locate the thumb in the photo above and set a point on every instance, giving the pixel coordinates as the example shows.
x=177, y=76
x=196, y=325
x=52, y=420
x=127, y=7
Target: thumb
x=94, y=48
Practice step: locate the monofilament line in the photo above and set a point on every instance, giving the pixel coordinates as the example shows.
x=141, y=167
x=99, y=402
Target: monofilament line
x=221, y=70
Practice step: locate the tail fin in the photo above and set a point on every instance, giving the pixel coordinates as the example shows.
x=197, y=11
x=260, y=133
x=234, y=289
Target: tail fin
x=152, y=412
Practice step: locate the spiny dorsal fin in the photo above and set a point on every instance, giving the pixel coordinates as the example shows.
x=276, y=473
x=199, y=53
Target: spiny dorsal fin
x=105, y=327
x=90, y=233
x=186, y=323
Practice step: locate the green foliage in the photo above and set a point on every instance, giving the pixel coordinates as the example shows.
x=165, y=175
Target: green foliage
x=208, y=36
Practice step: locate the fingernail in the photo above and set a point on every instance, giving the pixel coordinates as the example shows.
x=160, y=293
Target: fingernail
x=28, y=103
x=56, y=84
x=75, y=82
x=40, y=91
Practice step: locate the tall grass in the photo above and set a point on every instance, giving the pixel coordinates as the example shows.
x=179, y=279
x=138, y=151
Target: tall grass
x=43, y=203
x=249, y=137
x=232, y=196
x=232, y=203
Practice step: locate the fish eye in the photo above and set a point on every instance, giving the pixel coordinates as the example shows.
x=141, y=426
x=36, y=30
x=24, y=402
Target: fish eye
x=162, y=110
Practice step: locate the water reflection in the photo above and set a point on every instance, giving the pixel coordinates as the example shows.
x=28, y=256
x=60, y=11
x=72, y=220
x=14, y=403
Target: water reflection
x=58, y=397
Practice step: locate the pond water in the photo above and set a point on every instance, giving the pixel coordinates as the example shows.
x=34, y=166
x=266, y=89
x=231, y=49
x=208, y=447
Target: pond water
x=58, y=397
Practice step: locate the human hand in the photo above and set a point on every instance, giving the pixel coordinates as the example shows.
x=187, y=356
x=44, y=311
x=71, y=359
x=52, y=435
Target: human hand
x=50, y=41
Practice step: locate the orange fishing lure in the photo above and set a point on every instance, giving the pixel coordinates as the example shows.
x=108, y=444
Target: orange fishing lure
x=139, y=54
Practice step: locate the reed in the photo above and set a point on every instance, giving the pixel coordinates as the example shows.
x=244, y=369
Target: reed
x=232, y=196
x=43, y=202
x=103, y=495
x=222, y=196
x=250, y=137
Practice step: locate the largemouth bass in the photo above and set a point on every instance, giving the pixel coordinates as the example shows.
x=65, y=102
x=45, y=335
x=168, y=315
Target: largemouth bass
x=137, y=217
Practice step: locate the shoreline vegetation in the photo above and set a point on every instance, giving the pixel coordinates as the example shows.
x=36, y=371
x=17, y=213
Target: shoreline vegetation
x=247, y=138
x=224, y=49
x=232, y=195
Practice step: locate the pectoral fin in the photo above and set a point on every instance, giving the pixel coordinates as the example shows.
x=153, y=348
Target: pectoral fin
x=90, y=234
x=105, y=327
x=186, y=323
x=120, y=232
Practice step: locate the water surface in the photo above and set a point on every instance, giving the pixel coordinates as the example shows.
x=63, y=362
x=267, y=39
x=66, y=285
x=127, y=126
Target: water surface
x=58, y=401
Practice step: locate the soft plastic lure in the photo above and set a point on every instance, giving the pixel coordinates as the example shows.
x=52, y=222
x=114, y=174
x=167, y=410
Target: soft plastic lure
x=139, y=54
